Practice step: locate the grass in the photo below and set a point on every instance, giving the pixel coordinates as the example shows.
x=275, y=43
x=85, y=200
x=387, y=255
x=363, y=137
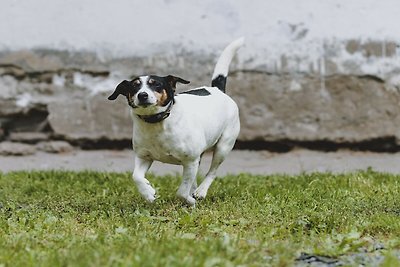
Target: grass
x=98, y=219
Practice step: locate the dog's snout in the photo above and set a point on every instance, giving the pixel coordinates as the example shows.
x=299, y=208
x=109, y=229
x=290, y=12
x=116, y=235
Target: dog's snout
x=143, y=96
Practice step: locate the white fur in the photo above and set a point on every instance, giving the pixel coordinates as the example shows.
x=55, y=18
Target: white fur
x=222, y=66
x=195, y=124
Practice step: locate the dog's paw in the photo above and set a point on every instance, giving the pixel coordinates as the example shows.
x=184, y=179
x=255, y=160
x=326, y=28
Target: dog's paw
x=200, y=193
x=147, y=192
x=150, y=197
x=189, y=200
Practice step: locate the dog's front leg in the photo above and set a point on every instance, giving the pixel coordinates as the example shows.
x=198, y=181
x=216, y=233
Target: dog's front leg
x=188, y=182
x=143, y=185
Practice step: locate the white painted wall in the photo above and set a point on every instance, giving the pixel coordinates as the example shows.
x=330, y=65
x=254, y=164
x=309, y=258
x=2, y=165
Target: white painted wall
x=296, y=29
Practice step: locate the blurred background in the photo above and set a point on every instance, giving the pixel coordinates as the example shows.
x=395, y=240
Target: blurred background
x=315, y=74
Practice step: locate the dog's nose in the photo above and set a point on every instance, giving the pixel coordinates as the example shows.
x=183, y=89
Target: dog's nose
x=143, y=96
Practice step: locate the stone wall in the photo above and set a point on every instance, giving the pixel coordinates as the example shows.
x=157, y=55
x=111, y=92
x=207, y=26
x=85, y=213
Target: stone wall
x=52, y=92
x=295, y=84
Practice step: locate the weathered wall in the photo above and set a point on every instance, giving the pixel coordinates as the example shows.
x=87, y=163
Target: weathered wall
x=310, y=71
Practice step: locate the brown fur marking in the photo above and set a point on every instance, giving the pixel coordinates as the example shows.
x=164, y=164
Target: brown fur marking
x=161, y=97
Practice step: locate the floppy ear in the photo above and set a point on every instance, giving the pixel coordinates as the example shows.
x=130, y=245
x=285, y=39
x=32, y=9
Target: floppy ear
x=122, y=89
x=173, y=80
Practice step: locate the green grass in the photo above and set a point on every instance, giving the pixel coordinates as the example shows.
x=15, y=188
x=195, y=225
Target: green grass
x=98, y=219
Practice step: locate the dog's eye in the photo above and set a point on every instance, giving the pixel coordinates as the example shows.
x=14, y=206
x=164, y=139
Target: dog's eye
x=137, y=82
x=154, y=83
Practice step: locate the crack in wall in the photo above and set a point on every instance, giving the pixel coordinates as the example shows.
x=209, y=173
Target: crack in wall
x=44, y=76
x=306, y=74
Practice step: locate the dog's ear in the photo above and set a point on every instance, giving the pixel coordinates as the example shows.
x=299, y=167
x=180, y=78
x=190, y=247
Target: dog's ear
x=122, y=89
x=173, y=80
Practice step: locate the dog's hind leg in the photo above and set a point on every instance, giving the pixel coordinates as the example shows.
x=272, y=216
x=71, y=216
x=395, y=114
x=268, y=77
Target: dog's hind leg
x=222, y=149
x=143, y=185
x=189, y=182
x=218, y=157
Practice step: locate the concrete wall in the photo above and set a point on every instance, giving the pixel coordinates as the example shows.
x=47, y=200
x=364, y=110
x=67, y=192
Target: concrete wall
x=324, y=72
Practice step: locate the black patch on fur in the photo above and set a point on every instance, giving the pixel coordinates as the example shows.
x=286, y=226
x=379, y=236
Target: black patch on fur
x=125, y=88
x=219, y=82
x=158, y=84
x=198, y=92
x=167, y=83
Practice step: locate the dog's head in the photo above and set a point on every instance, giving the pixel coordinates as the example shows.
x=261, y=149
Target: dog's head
x=146, y=94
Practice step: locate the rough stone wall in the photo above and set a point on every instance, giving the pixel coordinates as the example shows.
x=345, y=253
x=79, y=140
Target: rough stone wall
x=52, y=92
x=295, y=84
x=64, y=94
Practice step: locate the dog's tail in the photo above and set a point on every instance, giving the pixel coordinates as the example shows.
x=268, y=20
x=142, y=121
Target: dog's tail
x=222, y=67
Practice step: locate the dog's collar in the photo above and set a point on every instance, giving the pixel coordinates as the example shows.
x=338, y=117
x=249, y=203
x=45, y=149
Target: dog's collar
x=157, y=117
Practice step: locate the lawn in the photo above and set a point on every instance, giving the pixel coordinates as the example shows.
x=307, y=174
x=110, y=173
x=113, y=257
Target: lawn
x=59, y=218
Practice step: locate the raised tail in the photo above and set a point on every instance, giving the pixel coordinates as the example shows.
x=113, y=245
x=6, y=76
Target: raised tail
x=222, y=67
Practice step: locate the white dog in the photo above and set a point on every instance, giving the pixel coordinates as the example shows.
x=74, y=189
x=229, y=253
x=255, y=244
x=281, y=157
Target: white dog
x=178, y=129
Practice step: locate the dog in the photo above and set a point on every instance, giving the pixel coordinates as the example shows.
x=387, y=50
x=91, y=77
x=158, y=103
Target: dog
x=179, y=128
